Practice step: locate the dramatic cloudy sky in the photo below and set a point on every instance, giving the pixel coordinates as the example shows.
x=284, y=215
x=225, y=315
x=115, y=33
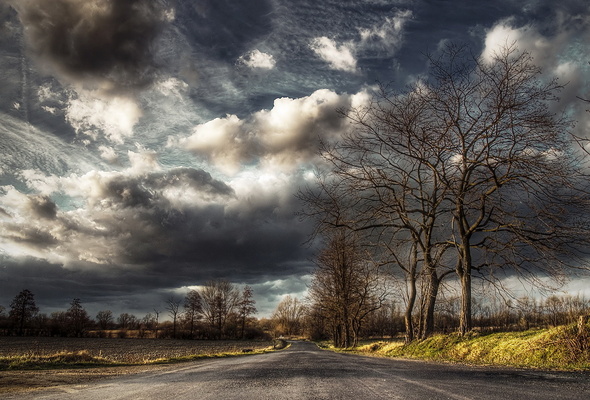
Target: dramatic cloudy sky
x=147, y=146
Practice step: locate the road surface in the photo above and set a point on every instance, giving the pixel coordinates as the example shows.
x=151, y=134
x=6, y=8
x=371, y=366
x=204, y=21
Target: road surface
x=305, y=372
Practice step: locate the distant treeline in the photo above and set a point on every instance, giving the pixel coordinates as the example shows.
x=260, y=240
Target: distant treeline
x=217, y=311
x=220, y=311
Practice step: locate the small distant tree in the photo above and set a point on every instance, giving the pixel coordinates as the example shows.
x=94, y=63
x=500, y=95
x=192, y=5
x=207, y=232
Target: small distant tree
x=157, y=322
x=77, y=318
x=104, y=319
x=173, y=308
x=149, y=322
x=220, y=298
x=193, y=309
x=246, y=308
x=289, y=315
x=58, y=323
x=127, y=321
x=22, y=310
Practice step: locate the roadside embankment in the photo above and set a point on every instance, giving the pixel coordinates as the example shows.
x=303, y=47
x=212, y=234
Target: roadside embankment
x=560, y=348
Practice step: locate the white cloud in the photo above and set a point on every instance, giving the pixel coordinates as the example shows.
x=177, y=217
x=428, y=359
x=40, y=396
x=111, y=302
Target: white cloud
x=284, y=137
x=109, y=154
x=258, y=59
x=112, y=117
x=220, y=140
x=340, y=57
x=143, y=162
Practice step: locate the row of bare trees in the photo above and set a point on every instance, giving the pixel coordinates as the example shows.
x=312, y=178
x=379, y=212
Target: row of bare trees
x=468, y=173
x=217, y=310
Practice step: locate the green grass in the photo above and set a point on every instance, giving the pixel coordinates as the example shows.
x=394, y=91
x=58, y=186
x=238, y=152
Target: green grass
x=83, y=359
x=560, y=348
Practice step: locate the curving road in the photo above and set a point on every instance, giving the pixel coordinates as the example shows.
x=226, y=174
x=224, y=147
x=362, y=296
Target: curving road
x=305, y=372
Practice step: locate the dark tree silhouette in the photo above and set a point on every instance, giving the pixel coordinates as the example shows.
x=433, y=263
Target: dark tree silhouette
x=77, y=318
x=23, y=309
x=246, y=308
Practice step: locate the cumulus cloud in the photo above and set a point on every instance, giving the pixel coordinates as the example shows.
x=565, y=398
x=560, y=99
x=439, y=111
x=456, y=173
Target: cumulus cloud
x=339, y=57
x=96, y=43
x=94, y=115
x=283, y=137
x=258, y=59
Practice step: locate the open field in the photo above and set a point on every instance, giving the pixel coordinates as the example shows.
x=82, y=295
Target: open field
x=125, y=351
x=31, y=363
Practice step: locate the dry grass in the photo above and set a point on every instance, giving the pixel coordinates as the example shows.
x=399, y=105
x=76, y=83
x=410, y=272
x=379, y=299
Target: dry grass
x=560, y=348
x=31, y=353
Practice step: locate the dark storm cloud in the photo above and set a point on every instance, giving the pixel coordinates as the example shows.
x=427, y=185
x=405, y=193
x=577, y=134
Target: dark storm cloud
x=31, y=236
x=224, y=28
x=42, y=207
x=145, y=190
x=94, y=41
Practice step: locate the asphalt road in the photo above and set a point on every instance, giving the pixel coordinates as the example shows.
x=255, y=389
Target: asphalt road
x=305, y=372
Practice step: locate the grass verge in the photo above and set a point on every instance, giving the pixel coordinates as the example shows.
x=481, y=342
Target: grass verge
x=560, y=348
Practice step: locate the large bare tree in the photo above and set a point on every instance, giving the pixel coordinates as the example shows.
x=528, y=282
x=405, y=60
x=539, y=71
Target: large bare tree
x=467, y=171
x=513, y=176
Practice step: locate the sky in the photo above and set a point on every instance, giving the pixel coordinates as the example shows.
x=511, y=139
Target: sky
x=148, y=146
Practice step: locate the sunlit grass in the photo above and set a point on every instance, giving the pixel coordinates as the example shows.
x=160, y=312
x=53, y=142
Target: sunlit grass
x=563, y=347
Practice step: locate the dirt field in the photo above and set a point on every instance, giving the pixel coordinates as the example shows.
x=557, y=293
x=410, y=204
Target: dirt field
x=124, y=350
x=120, y=350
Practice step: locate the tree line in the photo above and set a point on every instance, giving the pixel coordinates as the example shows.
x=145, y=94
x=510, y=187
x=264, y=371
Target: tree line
x=471, y=173
x=307, y=318
x=219, y=310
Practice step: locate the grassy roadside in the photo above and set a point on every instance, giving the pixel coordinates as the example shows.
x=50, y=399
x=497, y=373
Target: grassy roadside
x=83, y=359
x=560, y=348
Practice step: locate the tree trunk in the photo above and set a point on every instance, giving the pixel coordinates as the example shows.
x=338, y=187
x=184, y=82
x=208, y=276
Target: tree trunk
x=465, y=324
x=432, y=292
x=409, y=311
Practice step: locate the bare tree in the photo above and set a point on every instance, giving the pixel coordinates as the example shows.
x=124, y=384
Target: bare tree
x=23, y=309
x=348, y=286
x=246, y=308
x=127, y=321
x=220, y=298
x=288, y=316
x=173, y=308
x=468, y=171
x=512, y=174
x=193, y=309
x=104, y=319
x=77, y=318
x=384, y=183
x=157, y=322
